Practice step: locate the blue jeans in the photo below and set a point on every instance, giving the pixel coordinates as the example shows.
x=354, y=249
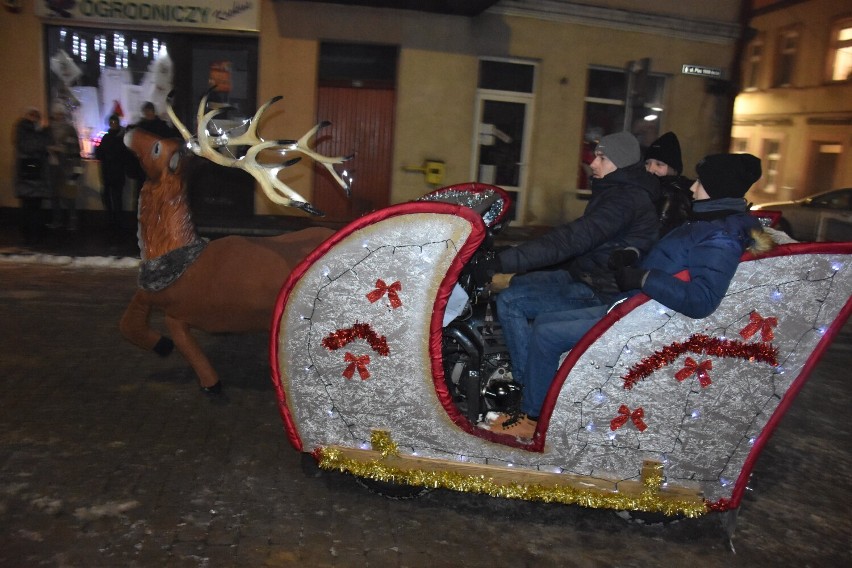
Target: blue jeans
x=530, y=295
x=552, y=335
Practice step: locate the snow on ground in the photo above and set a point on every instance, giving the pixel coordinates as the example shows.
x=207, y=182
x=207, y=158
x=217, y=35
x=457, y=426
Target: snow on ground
x=69, y=261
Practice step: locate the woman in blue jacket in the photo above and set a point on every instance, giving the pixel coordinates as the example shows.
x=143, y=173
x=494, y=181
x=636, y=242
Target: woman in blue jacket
x=709, y=245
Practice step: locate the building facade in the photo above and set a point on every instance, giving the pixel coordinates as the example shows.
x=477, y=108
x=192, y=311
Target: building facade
x=794, y=110
x=514, y=94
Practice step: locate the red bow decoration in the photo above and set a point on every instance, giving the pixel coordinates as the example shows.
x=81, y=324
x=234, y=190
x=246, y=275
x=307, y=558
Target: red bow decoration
x=700, y=370
x=358, y=362
x=624, y=414
x=763, y=325
x=392, y=292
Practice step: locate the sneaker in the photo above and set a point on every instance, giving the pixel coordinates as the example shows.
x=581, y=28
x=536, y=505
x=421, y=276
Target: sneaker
x=519, y=426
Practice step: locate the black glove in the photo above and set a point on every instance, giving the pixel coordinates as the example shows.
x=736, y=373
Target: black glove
x=482, y=272
x=620, y=258
x=629, y=278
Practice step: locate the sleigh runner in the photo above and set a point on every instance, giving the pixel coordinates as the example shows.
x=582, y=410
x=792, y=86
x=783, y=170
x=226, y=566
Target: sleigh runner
x=652, y=411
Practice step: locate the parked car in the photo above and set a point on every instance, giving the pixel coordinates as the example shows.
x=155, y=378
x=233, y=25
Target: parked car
x=822, y=217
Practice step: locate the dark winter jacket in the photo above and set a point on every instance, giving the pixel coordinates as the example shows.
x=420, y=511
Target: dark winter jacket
x=710, y=250
x=113, y=156
x=31, y=173
x=675, y=204
x=621, y=214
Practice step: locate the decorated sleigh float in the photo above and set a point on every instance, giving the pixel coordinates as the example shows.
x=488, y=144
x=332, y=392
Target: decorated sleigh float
x=651, y=411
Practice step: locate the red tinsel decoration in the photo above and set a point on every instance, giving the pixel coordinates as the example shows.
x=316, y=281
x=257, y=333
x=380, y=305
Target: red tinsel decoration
x=392, y=291
x=343, y=337
x=700, y=344
x=761, y=324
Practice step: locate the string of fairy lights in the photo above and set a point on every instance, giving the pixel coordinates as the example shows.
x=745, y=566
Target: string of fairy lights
x=111, y=49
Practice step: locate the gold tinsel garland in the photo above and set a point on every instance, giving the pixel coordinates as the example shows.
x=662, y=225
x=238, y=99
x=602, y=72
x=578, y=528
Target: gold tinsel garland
x=649, y=500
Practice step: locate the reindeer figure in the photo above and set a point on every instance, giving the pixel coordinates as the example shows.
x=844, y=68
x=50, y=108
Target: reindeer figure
x=226, y=285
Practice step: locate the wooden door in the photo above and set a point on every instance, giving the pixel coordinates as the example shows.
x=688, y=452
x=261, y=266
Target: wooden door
x=361, y=122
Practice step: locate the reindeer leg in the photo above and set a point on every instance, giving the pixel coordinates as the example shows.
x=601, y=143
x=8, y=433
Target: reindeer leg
x=208, y=380
x=134, y=327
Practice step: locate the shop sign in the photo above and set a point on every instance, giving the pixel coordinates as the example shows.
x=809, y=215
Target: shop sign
x=701, y=71
x=242, y=15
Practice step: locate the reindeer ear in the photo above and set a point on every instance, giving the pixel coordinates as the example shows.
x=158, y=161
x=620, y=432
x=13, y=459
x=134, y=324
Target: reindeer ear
x=174, y=162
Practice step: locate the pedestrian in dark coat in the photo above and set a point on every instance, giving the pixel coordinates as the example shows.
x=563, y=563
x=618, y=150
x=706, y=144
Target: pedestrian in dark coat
x=114, y=157
x=32, y=182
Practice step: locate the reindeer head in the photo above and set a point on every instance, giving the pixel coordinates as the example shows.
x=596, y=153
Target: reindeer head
x=158, y=156
x=265, y=174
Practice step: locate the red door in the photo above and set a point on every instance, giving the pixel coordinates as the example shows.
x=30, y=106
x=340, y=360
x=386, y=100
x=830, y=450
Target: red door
x=361, y=122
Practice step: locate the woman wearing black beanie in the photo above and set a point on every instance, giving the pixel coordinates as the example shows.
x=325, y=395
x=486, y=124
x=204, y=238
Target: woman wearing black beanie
x=663, y=159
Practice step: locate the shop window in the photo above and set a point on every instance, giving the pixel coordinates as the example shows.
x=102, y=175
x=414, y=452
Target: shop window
x=754, y=59
x=97, y=72
x=840, y=53
x=786, y=56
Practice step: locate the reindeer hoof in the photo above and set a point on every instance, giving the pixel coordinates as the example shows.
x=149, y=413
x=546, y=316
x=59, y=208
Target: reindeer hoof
x=215, y=389
x=164, y=346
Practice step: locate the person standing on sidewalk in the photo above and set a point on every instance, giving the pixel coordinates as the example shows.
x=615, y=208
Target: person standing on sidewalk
x=113, y=156
x=31, y=174
x=66, y=166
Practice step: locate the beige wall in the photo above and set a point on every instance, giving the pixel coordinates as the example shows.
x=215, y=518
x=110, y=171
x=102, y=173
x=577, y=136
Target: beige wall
x=22, y=74
x=434, y=119
x=436, y=88
x=286, y=67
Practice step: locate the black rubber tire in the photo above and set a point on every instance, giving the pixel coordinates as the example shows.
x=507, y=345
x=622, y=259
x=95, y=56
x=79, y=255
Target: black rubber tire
x=398, y=491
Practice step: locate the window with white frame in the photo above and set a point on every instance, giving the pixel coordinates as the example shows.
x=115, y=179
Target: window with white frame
x=504, y=109
x=754, y=58
x=786, y=55
x=840, y=53
x=771, y=161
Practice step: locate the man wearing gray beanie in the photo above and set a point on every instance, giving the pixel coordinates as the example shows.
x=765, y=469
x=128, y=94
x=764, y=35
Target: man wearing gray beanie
x=621, y=214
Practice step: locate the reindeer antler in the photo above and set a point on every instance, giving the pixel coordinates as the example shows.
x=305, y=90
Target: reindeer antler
x=266, y=174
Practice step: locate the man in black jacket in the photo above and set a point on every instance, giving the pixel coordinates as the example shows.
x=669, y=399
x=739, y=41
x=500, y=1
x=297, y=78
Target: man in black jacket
x=621, y=214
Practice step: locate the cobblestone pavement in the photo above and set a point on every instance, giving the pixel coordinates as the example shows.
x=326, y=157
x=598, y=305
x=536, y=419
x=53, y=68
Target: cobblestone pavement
x=110, y=456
